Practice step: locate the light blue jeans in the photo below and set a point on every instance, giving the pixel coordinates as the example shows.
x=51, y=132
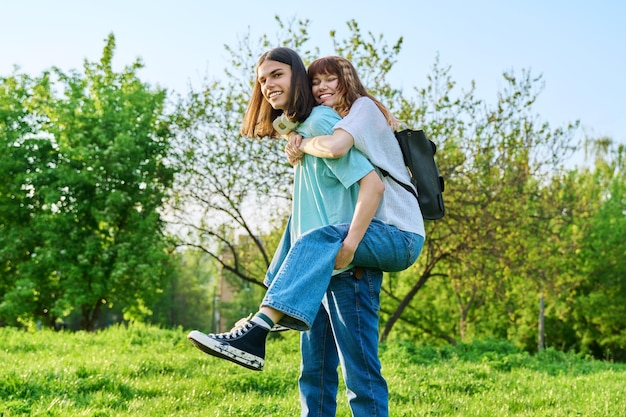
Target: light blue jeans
x=345, y=331
x=300, y=274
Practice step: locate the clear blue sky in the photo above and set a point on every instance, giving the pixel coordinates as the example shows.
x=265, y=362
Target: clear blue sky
x=579, y=46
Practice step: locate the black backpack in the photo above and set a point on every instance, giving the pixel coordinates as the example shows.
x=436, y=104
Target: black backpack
x=419, y=157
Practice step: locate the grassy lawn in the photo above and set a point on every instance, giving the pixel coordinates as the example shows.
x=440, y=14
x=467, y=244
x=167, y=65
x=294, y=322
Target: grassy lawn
x=146, y=371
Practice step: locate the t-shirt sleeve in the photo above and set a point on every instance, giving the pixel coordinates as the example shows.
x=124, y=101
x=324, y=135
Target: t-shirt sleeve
x=350, y=168
x=364, y=121
x=320, y=122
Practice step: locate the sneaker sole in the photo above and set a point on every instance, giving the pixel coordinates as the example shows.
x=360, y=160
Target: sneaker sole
x=279, y=328
x=223, y=350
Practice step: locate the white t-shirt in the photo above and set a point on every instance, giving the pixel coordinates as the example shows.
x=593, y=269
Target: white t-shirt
x=375, y=138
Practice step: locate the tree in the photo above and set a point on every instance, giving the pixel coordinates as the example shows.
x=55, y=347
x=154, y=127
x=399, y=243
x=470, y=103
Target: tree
x=495, y=160
x=600, y=299
x=99, y=234
x=25, y=166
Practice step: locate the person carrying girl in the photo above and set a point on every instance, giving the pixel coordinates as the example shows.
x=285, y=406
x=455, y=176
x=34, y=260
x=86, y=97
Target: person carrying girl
x=299, y=278
x=369, y=126
x=345, y=190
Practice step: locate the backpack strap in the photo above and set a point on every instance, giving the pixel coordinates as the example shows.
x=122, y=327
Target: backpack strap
x=405, y=186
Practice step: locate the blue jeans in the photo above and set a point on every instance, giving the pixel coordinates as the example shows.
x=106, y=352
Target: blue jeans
x=300, y=274
x=345, y=331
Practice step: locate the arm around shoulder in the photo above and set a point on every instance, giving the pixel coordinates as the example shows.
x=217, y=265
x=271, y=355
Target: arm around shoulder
x=328, y=146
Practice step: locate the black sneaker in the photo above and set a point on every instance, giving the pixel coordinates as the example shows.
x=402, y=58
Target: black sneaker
x=276, y=328
x=244, y=346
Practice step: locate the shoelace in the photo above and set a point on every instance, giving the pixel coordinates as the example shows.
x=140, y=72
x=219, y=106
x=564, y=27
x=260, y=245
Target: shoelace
x=234, y=333
x=241, y=322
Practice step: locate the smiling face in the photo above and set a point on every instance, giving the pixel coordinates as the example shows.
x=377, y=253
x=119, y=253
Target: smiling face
x=275, y=80
x=325, y=89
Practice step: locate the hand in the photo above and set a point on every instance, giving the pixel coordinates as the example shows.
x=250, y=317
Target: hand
x=293, y=138
x=294, y=155
x=292, y=149
x=344, y=256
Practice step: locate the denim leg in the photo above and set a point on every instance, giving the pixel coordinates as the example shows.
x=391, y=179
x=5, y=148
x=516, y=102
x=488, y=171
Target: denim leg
x=386, y=247
x=353, y=306
x=279, y=256
x=298, y=286
x=302, y=279
x=319, y=379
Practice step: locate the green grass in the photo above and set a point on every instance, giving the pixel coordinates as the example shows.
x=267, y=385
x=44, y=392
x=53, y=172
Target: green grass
x=146, y=371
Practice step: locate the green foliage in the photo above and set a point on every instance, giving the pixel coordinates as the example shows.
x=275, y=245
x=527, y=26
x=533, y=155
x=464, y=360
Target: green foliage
x=89, y=153
x=147, y=371
x=24, y=168
x=601, y=296
x=189, y=296
x=485, y=254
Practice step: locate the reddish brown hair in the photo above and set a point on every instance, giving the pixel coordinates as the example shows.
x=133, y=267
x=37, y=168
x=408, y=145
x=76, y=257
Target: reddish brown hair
x=350, y=87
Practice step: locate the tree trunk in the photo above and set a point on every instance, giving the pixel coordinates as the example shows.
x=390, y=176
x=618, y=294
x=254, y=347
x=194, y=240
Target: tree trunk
x=540, y=338
x=403, y=305
x=90, y=317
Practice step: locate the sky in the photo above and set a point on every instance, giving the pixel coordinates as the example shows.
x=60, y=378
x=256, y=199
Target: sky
x=578, y=47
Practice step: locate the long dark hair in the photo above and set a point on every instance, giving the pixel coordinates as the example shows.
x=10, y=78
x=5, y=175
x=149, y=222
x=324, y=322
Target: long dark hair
x=259, y=115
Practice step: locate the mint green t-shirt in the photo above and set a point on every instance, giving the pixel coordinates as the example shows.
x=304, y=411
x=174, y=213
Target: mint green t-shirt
x=325, y=190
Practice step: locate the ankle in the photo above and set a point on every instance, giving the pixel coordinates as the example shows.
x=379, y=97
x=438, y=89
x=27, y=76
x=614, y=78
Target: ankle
x=273, y=314
x=263, y=320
